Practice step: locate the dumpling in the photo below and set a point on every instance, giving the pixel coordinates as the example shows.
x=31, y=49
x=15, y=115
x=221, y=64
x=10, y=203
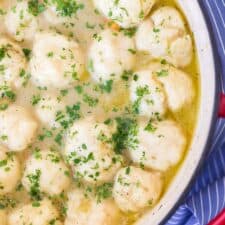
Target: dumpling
x=86, y=211
x=125, y=12
x=20, y=23
x=135, y=189
x=88, y=152
x=164, y=35
x=161, y=145
x=12, y=62
x=56, y=61
x=147, y=95
x=47, y=108
x=52, y=173
x=110, y=55
x=168, y=17
x=17, y=128
x=3, y=217
x=36, y=213
x=181, y=51
x=178, y=85
x=10, y=171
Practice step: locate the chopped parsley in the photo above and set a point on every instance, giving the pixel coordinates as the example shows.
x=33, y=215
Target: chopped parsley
x=67, y=8
x=150, y=127
x=36, y=204
x=163, y=62
x=141, y=14
x=64, y=92
x=127, y=170
x=107, y=86
x=58, y=138
x=6, y=93
x=91, y=66
x=132, y=51
x=27, y=53
x=2, y=12
x=140, y=92
x=6, y=202
x=50, y=54
x=35, y=7
x=125, y=136
x=67, y=117
x=162, y=73
x=3, y=163
x=34, y=180
x=35, y=99
x=156, y=30
x=103, y=191
x=37, y=153
x=3, y=137
x=130, y=32
x=45, y=134
x=127, y=74
x=97, y=37
x=25, y=76
x=79, y=160
x=108, y=122
x=2, y=53
x=91, y=101
x=3, y=106
x=54, y=157
x=79, y=89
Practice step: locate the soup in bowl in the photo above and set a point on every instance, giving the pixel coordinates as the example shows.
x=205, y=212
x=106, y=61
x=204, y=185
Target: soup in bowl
x=98, y=108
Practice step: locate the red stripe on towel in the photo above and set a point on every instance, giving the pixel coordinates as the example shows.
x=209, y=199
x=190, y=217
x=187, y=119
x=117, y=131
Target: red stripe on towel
x=222, y=107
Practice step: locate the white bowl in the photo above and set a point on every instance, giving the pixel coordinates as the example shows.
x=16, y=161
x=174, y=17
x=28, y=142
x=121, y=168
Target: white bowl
x=205, y=122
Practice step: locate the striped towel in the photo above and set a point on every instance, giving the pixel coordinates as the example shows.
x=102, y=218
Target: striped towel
x=207, y=197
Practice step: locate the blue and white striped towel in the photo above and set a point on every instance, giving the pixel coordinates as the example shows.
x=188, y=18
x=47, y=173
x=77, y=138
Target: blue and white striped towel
x=207, y=197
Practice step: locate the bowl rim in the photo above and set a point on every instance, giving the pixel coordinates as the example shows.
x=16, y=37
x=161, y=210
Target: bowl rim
x=211, y=120
x=214, y=118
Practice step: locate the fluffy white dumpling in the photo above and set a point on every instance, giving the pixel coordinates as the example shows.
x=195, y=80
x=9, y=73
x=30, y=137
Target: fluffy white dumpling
x=12, y=62
x=168, y=17
x=181, y=51
x=163, y=35
x=47, y=108
x=10, y=172
x=89, y=153
x=147, y=95
x=17, y=128
x=20, y=23
x=177, y=84
x=42, y=214
x=110, y=55
x=154, y=40
x=86, y=211
x=51, y=170
x=135, y=189
x=125, y=12
x=3, y=217
x=161, y=145
x=56, y=61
